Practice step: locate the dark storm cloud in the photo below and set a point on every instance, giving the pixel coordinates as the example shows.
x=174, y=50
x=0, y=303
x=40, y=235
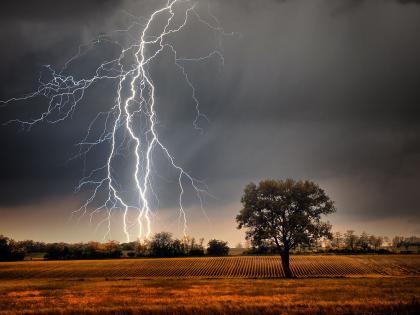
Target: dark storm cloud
x=346, y=5
x=34, y=33
x=334, y=98
x=304, y=93
x=51, y=10
x=409, y=1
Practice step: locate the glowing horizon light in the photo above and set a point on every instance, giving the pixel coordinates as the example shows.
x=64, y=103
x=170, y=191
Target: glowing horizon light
x=134, y=114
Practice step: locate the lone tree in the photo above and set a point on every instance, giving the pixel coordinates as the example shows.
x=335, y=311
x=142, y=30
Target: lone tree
x=285, y=213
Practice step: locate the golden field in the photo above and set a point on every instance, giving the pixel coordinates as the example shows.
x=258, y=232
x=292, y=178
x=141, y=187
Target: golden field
x=217, y=267
x=228, y=285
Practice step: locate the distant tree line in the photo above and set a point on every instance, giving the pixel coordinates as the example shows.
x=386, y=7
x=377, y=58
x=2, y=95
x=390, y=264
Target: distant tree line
x=369, y=243
x=347, y=243
x=165, y=245
x=9, y=250
x=406, y=243
x=91, y=250
x=160, y=245
x=350, y=242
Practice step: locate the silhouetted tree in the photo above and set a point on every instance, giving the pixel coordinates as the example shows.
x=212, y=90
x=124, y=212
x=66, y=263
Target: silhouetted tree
x=112, y=249
x=397, y=240
x=363, y=241
x=375, y=242
x=350, y=239
x=57, y=251
x=161, y=245
x=217, y=248
x=191, y=248
x=142, y=248
x=129, y=246
x=287, y=213
x=9, y=251
x=91, y=250
x=337, y=240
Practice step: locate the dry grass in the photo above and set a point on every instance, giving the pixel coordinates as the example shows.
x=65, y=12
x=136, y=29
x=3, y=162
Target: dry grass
x=217, y=296
x=356, y=285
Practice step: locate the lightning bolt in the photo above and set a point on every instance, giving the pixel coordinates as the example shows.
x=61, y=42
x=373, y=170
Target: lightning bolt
x=131, y=123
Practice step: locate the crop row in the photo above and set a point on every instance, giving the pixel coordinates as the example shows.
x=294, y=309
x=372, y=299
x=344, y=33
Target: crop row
x=214, y=267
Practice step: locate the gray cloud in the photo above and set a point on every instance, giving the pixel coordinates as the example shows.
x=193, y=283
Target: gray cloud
x=304, y=93
x=47, y=10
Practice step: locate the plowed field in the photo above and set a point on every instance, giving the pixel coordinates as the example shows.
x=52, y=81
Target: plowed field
x=217, y=267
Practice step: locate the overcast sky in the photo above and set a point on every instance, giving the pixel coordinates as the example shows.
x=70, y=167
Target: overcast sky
x=324, y=90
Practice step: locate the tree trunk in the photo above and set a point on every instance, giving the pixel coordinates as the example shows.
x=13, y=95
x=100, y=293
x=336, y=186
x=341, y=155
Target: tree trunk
x=285, y=263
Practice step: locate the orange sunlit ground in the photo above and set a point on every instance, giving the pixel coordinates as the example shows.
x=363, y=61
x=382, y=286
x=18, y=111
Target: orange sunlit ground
x=385, y=284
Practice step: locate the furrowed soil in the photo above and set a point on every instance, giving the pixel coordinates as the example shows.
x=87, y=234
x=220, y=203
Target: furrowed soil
x=228, y=285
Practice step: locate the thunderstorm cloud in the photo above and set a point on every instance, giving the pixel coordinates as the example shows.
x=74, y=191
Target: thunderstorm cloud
x=322, y=90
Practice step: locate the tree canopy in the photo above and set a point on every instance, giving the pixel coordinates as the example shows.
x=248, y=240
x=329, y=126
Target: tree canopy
x=217, y=248
x=286, y=213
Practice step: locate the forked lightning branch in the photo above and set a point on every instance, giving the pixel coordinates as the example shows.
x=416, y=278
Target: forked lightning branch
x=131, y=118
